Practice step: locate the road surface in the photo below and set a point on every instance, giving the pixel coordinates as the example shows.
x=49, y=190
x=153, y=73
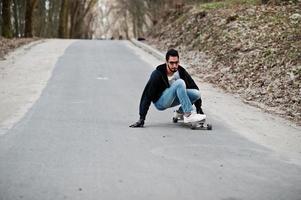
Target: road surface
x=75, y=143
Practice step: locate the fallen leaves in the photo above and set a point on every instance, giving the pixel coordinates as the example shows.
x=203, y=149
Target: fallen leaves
x=8, y=45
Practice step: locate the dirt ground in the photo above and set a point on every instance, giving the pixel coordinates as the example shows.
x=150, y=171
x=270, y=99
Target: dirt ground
x=9, y=45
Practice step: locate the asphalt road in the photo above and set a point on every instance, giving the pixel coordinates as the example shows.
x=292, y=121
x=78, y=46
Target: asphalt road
x=75, y=143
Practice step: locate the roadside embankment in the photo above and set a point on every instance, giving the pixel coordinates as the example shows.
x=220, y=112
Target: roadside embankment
x=253, y=51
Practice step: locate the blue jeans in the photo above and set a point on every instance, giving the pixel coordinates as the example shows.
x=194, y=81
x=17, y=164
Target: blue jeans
x=177, y=94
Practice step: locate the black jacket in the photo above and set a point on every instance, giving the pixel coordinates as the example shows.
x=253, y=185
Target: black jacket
x=157, y=83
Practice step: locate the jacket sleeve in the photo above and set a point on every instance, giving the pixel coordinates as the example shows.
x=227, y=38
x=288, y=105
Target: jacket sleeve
x=148, y=93
x=189, y=81
x=144, y=104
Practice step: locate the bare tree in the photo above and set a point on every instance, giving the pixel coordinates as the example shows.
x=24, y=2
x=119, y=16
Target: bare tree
x=63, y=23
x=88, y=30
x=53, y=17
x=138, y=15
x=6, y=17
x=105, y=22
x=21, y=6
x=16, y=18
x=154, y=10
x=1, y=24
x=40, y=19
x=137, y=11
x=131, y=22
x=79, y=10
x=30, y=6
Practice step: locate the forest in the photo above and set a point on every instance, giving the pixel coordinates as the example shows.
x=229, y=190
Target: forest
x=86, y=19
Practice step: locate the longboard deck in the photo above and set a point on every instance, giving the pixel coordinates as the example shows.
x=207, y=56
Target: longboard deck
x=200, y=125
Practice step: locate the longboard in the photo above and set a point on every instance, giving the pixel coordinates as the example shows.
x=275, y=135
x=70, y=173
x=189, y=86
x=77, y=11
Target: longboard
x=199, y=125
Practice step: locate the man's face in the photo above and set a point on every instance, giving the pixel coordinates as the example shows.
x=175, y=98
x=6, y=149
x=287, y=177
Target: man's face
x=173, y=63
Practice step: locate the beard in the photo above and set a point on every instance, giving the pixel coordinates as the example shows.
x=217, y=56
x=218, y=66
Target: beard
x=173, y=69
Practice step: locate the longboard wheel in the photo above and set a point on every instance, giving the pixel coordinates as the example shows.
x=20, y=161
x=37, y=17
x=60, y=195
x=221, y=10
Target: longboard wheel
x=175, y=120
x=195, y=126
x=209, y=127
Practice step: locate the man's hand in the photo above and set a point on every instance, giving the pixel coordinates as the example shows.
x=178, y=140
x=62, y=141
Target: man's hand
x=139, y=123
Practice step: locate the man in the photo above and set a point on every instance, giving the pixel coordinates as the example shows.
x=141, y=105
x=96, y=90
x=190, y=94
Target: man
x=170, y=85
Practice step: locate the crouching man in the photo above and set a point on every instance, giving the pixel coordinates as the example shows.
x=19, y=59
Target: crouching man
x=170, y=85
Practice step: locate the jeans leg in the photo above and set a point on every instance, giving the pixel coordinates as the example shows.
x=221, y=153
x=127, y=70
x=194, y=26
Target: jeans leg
x=174, y=95
x=193, y=95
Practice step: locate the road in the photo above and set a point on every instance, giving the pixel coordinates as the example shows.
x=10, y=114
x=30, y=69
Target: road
x=75, y=143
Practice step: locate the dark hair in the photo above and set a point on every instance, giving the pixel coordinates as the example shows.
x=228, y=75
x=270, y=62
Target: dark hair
x=171, y=52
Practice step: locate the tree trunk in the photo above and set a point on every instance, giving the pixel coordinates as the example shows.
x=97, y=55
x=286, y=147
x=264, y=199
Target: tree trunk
x=88, y=27
x=1, y=19
x=63, y=21
x=16, y=19
x=21, y=19
x=39, y=16
x=50, y=18
x=126, y=27
x=78, y=12
x=30, y=6
x=6, y=17
x=73, y=16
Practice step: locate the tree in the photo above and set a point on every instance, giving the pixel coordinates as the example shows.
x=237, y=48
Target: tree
x=79, y=10
x=132, y=20
x=6, y=17
x=137, y=9
x=30, y=6
x=16, y=18
x=0, y=18
x=40, y=19
x=105, y=22
x=63, y=21
x=21, y=7
x=154, y=10
x=138, y=15
x=53, y=18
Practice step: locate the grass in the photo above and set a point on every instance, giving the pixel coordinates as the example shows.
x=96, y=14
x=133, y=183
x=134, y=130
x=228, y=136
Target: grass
x=226, y=4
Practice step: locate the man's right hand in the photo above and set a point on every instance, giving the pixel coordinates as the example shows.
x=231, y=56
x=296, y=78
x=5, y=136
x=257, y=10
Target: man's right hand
x=138, y=124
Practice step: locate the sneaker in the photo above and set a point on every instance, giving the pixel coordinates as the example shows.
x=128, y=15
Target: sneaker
x=193, y=117
x=178, y=115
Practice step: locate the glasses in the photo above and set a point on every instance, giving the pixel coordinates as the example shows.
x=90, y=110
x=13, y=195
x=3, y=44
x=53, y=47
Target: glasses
x=173, y=63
